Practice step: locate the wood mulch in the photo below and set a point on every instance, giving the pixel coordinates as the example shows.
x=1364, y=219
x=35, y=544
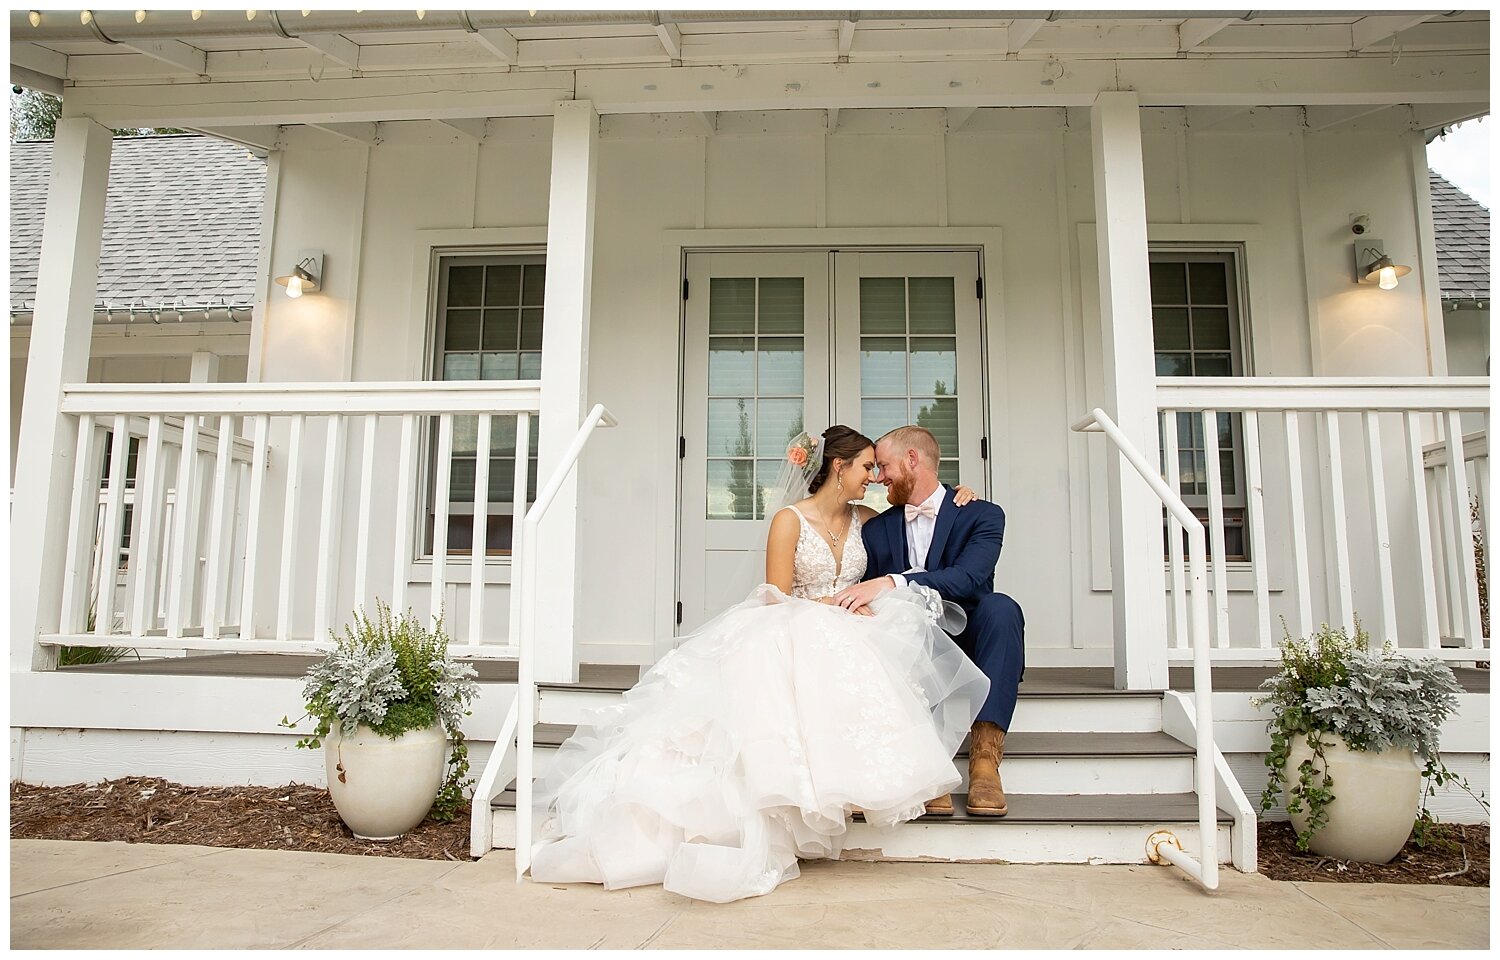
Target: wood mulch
x=1459, y=856
x=150, y=810
x=299, y=817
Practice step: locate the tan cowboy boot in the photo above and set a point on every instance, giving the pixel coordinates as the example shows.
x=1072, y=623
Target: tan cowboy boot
x=986, y=746
x=941, y=806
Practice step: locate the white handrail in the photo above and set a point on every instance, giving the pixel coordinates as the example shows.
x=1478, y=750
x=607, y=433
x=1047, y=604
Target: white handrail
x=1205, y=870
x=525, y=581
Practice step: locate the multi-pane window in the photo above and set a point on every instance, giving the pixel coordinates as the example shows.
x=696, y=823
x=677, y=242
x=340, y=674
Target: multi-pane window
x=1196, y=324
x=756, y=350
x=489, y=327
x=908, y=363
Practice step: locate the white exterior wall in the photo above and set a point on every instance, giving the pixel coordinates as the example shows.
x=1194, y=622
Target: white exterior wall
x=1021, y=172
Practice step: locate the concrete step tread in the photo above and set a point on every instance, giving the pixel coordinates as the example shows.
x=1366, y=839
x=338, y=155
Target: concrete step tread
x=1018, y=744
x=1054, y=808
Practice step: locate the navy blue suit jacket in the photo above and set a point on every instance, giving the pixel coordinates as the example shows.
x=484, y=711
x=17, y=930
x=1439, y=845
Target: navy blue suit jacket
x=965, y=548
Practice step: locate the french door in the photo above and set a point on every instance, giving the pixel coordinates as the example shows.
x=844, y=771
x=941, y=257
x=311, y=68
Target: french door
x=780, y=342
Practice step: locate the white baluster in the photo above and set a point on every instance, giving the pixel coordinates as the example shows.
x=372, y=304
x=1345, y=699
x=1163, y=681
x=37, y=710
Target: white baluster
x=1463, y=532
x=1342, y=600
x=1375, y=468
x=444, y=468
x=1174, y=533
x=1447, y=565
x=1426, y=564
x=366, y=487
x=217, y=516
x=253, y=524
x=405, y=510
x=1255, y=519
x=1298, y=509
x=1211, y=469
x=114, y=527
x=184, y=545
x=480, y=530
x=329, y=530
x=517, y=521
x=289, y=528
x=146, y=530
x=81, y=525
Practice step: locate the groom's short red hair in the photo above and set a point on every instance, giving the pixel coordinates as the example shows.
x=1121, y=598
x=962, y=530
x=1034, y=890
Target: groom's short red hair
x=920, y=439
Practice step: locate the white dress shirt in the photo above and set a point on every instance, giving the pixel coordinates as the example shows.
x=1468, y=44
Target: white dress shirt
x=919, y=536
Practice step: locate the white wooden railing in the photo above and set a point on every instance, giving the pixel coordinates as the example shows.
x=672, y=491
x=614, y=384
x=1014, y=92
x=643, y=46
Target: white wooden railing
x=1410, y=581
x=1205, y=869
x=512, y=756
x=168, y=603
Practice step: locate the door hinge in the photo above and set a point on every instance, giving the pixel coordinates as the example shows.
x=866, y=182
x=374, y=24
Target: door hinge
x=679, y=613
x=684, y=289
x=681, y=447
x=979, y=288
x=984, y=448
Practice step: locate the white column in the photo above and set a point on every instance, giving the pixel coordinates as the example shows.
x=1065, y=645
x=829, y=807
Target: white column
x=1130, y=391
x=205, y=368
x=565, y=369
x=61, y=329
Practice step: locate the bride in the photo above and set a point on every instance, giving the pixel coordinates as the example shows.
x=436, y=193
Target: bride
x=749, y=745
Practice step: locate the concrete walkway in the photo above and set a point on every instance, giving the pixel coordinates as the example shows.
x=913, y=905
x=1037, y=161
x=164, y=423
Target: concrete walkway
x=116, y=895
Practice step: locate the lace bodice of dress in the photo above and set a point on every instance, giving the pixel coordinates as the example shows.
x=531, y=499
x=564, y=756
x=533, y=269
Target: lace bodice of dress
x=815, y=571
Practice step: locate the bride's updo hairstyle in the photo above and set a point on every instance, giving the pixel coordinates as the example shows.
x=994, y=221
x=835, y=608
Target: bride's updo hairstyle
x=842, y=443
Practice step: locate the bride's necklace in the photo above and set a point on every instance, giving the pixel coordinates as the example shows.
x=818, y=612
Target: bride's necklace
x=835, y=537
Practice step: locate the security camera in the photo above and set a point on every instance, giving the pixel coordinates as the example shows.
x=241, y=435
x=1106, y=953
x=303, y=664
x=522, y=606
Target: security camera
x=1360, y=225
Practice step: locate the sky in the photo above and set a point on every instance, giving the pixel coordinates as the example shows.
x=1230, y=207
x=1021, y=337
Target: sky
x=1463, y=158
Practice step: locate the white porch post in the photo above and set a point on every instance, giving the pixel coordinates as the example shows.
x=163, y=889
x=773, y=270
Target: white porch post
x=61, y=330
x=565, y=369
x=1130, y=390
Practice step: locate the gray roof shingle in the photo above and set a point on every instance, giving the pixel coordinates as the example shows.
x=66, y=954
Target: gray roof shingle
x=181, y=222
x=1462, y=227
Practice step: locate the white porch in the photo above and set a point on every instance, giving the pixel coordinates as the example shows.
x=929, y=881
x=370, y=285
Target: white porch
x=1085, y=146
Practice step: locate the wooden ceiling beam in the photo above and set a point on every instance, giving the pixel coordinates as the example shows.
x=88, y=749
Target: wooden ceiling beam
x=474, y=128
x=1369, y=31
x=500, y=42
x=1020, y=32
x=1191, y=33
x=341, y=51
x=366, y=133
x=175, y=53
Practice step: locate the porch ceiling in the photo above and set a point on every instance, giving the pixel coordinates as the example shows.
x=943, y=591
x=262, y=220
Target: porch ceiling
x=284, y=68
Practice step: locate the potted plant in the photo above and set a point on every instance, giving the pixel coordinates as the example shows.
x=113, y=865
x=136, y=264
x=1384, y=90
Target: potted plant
x=1351, y=723
x=387, y=700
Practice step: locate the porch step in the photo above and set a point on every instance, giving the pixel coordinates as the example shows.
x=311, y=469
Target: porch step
x=1040, y=828
x=1046, y=763
x=1037, y=711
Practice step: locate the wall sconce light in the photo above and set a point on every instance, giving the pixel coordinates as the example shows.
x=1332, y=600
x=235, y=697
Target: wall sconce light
x=1371, y=263
x=306, y=276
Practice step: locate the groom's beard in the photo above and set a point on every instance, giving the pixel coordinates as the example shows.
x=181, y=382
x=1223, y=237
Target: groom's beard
x=899, y=490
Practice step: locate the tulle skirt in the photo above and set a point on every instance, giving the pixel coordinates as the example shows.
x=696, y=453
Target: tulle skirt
x=747, y=746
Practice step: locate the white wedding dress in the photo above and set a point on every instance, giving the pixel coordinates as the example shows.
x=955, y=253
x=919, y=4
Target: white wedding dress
x=747, y=746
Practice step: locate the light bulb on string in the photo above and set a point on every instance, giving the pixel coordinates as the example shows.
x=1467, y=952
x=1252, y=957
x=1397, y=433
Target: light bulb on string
x=86, y=17
x=140, y=16
x=197, y=14
x=35, y=18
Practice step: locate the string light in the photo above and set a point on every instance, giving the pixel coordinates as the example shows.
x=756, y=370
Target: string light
x=35, y=18
x=86, y=17
x=249, y=14
x=197, y=14
x=140, y=16
x=421, y=14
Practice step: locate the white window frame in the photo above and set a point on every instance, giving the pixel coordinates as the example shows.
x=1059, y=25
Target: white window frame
x=428, y=246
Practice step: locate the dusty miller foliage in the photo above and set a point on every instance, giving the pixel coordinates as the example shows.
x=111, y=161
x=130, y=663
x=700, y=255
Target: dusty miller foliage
x=393, y=675
x=1331, y=683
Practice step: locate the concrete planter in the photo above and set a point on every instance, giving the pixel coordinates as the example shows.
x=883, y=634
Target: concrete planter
x=382, y=787
x=1376, y=796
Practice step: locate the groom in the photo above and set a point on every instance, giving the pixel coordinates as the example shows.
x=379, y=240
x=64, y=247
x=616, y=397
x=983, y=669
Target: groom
x=953, y=550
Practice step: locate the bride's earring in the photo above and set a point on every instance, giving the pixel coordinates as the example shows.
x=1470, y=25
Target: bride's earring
x=840, y=478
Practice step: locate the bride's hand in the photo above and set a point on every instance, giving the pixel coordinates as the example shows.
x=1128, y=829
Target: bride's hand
x=962, y=495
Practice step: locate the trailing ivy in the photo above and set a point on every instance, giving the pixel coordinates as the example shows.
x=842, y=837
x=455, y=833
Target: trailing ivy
x=393, y=675
x=1331, y=683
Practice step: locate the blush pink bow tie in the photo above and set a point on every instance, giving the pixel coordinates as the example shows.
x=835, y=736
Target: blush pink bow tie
x=925, y=510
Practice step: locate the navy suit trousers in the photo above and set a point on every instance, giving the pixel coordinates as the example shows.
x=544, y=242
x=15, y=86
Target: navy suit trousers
x=993, y=639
